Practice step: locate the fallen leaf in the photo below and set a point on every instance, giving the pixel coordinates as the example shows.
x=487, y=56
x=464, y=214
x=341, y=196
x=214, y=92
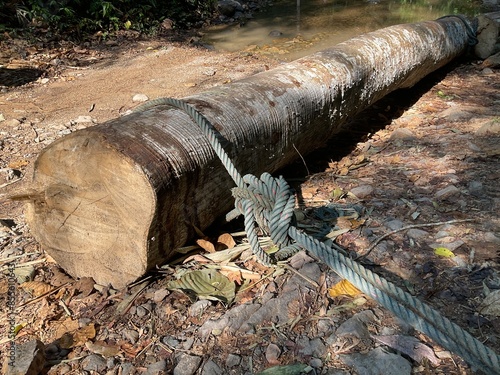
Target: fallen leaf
x=343, y=288
x=206, y=245
x=102, y=348
x=205, y=284
x=443, y=252
x=36, y=288
x=226, y=240
x=83, y=334
x=491, y=304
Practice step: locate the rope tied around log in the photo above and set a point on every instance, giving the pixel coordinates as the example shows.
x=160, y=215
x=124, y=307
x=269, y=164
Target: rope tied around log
x=268, y=203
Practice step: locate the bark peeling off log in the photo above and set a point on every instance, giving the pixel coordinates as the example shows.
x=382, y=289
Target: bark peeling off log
x=114, y=200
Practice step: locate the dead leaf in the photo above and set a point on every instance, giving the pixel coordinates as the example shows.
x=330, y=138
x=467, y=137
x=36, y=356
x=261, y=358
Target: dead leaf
x=343, y=288
x=226, y=240
x=66, y=326
x=18, y=164
x=491, y=304
x=85, y=286
x=102, y=348
x=206, y=245
x=36, y=288
x=205, y=284
x=83, y=334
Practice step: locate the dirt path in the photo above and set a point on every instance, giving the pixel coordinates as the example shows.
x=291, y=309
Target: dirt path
x=425, y=156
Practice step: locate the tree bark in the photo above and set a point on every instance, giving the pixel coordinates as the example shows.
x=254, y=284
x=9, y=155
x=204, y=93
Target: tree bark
x=114, y=200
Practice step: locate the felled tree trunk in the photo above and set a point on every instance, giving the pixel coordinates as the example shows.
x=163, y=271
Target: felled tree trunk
x=115, y=200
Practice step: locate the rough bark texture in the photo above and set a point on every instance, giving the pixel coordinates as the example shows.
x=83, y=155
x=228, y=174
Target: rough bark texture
x=488, y=35
x=114, y=200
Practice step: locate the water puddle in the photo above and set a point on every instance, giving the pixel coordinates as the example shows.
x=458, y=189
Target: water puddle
x=290, y=29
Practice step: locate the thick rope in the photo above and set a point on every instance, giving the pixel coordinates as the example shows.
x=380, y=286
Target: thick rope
x=270, y=202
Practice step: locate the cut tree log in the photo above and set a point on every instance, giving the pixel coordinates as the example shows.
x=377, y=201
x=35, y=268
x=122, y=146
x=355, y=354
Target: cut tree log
x=114, y=200
x=488, y=35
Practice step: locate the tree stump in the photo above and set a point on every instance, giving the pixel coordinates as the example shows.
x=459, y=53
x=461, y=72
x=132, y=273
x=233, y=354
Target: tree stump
x=114, y=200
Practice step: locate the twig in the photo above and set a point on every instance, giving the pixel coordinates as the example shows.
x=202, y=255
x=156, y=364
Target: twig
x=378, y=240
x=303, y=160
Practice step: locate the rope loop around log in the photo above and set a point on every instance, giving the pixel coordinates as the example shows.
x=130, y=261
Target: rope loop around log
x=269, y=202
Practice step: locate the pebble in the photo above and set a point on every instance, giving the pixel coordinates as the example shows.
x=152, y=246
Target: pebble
x=95, y=363
x=417, y=234
x=490, y=127
x=160, y=295
x=130, y=335
x=362, y=191
x=187, y=365
x=127, y=368
x=155, y=368
x=455, y=114
x=233, y=360
x=447, y=192
x=211, y=368
x=82, y=119
x=357, y=325
x=141, y=311
x=170, y=341
x=199, y=307
x=376, y=362
x=394, y=224
x=476, y=188
x=316, y=363
x=140, y=98
x=273, y=352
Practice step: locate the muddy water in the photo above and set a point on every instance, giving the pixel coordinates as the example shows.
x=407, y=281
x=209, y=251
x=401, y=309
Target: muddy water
x=290, y=29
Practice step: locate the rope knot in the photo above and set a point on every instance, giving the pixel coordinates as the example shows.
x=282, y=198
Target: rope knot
x=267, y=203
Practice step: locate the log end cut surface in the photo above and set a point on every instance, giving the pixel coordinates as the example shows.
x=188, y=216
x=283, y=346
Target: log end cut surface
x=92, y=210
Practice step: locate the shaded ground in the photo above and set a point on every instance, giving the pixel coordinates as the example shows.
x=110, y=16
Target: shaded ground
x=422, y=156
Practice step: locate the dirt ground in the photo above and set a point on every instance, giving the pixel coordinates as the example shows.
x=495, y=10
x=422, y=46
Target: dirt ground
x=426, y=157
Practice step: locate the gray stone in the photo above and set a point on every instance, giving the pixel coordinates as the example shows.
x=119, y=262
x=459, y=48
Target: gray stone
x=394, y=224
x=447, y=192
x=316, y=363
x=299, y=259
x=377, y=362
x=157, y=367
x=95, y=363
x=362, y=191
x=211, y=368
x=170, y=341
x=127, y=368
x=187, y=365
x=476, y=188
x=357, y=325
x=490, y=127
x=83, y=119
x=130, y=335
x=455, y=114
x=229, y=7
x=233, y=360
x=417, y=234
x=233, y=320
x=199, y=307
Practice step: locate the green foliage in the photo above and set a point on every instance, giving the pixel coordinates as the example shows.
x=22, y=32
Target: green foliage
x=80, y=16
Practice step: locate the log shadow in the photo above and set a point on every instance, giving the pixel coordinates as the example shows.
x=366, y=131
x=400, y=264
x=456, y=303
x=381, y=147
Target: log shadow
x=361, y=127
x=18, y=77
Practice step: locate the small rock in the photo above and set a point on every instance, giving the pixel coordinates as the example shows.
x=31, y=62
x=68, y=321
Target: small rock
x=95, y=363
x=272, y=353
x=187, y=365
x=130, y=335
x=188, y=344
x=229, y=7
x=44, y=80
x=417, y=234
x=275, y=33
x=447, y=192
x=362, y=191
x=377, y=362
x=491, y=237
x=454, y=114
x=141, y=312
x=211, y=368
x=11, y=123
x=476, y=188
x=127, y=368
x=357, y=325
x=170, y=341
x=402, y=134
x=199, y=307
x=233, y=360
x=26, y=358
x=490, y=127
x=140, y=98
x=160, y=295
x=394, y=224
x=156, y=368
x=316, y=363
x=299, y=259
x=83, y=119
x=486, y=71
